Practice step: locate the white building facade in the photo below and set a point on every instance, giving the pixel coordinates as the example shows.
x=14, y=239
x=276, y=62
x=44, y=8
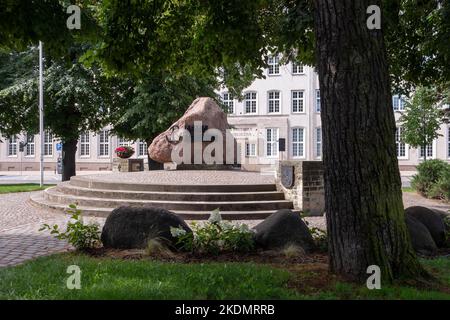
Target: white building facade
x=284, y=105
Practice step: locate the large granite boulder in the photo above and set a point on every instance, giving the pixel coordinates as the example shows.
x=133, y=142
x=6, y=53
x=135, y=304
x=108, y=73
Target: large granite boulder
x=432, y=220
x=421, y=239
x=130, y=227
x=281, y=229
x=211, y=116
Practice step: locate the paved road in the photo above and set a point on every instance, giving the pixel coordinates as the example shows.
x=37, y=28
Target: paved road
x=15, y=177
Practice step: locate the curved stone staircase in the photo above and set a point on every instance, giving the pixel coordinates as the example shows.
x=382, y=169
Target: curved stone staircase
x=99, y=197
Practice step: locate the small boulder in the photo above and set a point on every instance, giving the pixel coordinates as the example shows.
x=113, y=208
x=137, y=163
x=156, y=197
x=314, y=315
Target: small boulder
x=431, y=220
x=283, y=228
x=421, y=239
x=132, y=227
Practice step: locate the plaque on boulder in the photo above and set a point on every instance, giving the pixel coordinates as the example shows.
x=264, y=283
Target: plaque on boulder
x=206, y=124
x=287, y=176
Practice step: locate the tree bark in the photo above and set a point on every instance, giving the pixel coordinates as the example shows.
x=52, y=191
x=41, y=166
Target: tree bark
x=152, y=164
x=364, y=208
x=69, y=151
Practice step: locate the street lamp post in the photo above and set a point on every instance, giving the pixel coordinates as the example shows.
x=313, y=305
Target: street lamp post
x=41, y=114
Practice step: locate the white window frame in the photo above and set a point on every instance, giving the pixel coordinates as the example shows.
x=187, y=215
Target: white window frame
x=48, y=144
x=298, y=68
x=398, y=143
x=142, y=145
x=317, y=101
x=250, y=149
x=85, y=145
x=318, y=142
x=250, y=101
x=228, y=101
x=122, y=142
x=273, y=62
x=299, y=101
x=273, y=101
x=272, y=142
x=31, y=146
x=301, y=145
x=104, y=142
x=12, y=146
x=433, y=156
x=398, y=103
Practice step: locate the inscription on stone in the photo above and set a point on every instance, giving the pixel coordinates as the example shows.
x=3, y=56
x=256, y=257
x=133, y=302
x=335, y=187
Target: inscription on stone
x=287, y=176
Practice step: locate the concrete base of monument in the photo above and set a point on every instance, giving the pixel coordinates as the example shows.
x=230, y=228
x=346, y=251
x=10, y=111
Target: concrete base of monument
x=192, y=194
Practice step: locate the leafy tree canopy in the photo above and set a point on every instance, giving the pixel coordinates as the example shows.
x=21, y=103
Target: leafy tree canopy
x=422, y=118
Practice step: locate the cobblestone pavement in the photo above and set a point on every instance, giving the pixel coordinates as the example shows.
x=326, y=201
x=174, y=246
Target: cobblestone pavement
x=20, y=221
x=20, y=238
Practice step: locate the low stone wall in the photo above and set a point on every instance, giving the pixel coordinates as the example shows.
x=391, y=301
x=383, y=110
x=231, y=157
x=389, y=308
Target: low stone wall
x=127, y=165
x=307, y=189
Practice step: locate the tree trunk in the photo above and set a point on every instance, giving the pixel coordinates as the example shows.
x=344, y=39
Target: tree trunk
x=69, y=151
x=364, y=208
x=152, y=164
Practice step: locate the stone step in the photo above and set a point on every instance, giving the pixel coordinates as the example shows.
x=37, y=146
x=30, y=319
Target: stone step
x=55, y=196
x=206, y=188
x=39, y=200
x=69, y=189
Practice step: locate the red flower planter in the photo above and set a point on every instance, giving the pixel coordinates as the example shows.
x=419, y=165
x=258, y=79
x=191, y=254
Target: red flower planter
x=124, y=152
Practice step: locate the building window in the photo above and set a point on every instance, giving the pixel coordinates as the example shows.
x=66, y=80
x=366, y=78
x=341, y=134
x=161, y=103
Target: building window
x=297, y=101
x=272, y=142
x=228, y=101
x=250, y=149
x=297, y=68
x=398, y=103
x=429, y=149
x=85, y=149
x=30, y=148
x=250, y=102
x=317, y=100
x=400, y=145
x=142, y=148
x=318, y=142
x=298, y=142
x=274, y=65
x=274, y=101
x=12, y=146
x=103, y=143
x=122, y=142
x=48, y=143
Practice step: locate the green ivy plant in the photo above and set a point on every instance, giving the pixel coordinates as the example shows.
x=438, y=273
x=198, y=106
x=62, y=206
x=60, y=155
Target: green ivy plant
x=80, y=235
x=215, y=236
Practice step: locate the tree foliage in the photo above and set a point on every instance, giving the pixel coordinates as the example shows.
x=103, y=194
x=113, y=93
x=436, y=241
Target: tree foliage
x=152, y=104
x=422, y=118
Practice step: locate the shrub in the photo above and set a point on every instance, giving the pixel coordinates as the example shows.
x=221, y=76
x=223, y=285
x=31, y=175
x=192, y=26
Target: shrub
x=81, y=236
x=215, y=236
x=319, y=236
x=432, y=179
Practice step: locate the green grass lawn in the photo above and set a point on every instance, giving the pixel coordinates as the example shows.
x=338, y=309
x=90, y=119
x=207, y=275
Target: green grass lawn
x=105, y=278
x=25, y=187
x=408, y=189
